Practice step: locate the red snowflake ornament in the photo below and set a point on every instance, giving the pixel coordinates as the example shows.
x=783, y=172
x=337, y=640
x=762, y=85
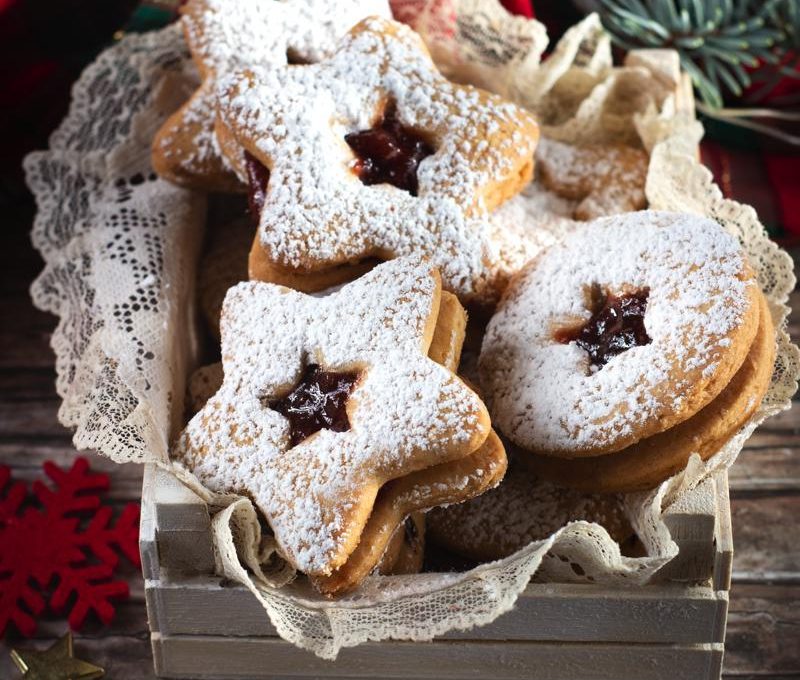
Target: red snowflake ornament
x=65, y=545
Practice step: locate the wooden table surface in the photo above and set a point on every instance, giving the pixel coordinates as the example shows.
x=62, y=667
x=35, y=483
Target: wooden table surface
x=764, y=622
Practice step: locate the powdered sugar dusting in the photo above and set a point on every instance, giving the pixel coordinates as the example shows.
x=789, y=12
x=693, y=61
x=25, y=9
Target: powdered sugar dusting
x=224, y=35
x=406, y=413
x=543, y=394
x=526, y=224
x=230, y=33
x=318, y=213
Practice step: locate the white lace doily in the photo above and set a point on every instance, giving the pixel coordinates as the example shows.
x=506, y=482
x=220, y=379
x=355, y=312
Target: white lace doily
x=121, y=246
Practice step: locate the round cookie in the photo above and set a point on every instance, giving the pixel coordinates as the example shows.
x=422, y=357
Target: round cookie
x=223, y=265
x=627, y=327
x=521, y=509
x=650, y=461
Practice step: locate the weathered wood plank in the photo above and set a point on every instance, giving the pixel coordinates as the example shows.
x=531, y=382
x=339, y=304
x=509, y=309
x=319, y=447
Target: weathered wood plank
x=658, y=614
x=17, y=305
x=26, y=461
x=783, y=423
x=199, y=657
x=767, y=470
x=765, y=538
x=30, y=383
x=24, y=348
x=762, y=439
x=32, y=421
x=763, y=630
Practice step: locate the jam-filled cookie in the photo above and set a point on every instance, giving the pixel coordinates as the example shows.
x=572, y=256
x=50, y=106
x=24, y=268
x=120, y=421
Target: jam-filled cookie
x=605, y=179
x=644, y=464
x=373, y=154
x=326, y=400
x=522, y=509
x=393, y=540
x=628, y=327
x=227, y=34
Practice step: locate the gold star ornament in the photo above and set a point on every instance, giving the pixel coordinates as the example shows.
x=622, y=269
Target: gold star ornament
x=55, y=663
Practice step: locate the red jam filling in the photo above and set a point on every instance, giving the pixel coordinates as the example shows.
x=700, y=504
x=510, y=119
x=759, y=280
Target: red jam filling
x=257, y=180
x=616, y=324
x=389, y=153
x=317, y=403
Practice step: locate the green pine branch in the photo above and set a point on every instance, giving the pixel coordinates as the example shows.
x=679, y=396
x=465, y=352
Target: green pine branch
x=717, y=40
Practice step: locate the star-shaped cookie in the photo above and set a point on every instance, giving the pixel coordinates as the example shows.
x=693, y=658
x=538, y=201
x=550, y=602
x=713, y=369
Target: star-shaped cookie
x=380, y=407
x=474, y=150
x=227, y=34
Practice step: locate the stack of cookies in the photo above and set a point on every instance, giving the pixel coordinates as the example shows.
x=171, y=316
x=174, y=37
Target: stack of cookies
x=372, y=219
x=637, y=341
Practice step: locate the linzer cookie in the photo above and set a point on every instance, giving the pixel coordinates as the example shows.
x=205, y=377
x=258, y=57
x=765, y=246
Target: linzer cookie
x=373, y=154
x=630, y=326
x=393, y=540
x=444, y=484
x=522, y=509
x=605, y=179
x=326, y=400
x=651, y=460
x=227, y=34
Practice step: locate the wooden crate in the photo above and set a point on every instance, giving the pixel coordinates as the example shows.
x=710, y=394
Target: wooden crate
x=205, y=629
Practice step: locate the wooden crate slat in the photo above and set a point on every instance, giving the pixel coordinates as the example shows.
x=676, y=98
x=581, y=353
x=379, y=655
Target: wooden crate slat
x=182, y=525
x=692, y=522
x=723, y=537
x=185, y=547
x=206, y=658
x=555, y=612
